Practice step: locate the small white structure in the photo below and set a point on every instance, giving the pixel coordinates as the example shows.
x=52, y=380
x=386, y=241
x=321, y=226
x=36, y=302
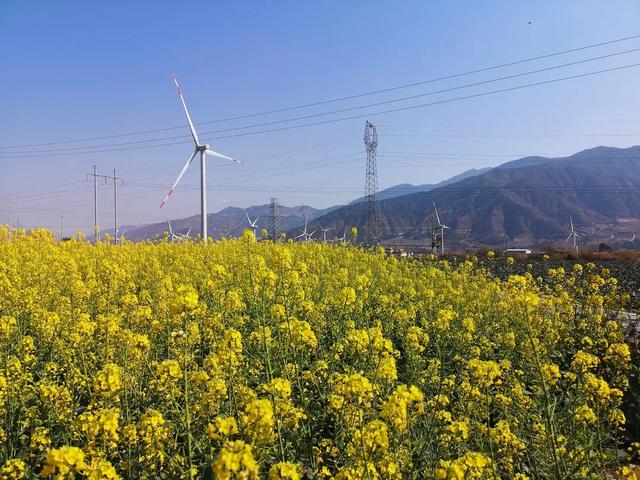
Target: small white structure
x=517, y=251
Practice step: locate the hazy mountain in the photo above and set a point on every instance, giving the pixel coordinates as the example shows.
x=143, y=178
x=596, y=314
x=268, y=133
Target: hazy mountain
x=407, y=188
x=524, y=162
x=523, y=202
x=230, y=221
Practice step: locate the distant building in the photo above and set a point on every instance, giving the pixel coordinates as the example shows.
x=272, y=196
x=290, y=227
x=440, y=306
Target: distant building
x=517, y=251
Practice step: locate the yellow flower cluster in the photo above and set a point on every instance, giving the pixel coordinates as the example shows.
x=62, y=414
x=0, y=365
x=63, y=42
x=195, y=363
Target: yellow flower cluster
x=235, y=462
x=404, y=403
x=261, y=360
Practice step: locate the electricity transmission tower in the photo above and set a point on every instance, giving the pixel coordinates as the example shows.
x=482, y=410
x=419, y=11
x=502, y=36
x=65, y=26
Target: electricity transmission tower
x=371, y=220
x=115, y=180
x=274, y=220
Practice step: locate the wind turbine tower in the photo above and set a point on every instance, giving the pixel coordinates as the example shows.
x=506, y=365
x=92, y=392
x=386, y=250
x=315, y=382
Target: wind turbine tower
x=324, y=233
x=438, y=232
x=274, y=220
x=204, y=151
x=253, y=224
x=573, y=235
x=371, y=220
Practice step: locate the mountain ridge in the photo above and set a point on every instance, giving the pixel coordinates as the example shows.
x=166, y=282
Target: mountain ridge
x=528, y=202
x=523, y=202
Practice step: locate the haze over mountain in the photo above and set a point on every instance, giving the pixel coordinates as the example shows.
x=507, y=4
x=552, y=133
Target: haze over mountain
x=232, y=221
x=523, y=202
x=407, y=188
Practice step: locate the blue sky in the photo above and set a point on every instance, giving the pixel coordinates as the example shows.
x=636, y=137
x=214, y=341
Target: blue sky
x=76, y=70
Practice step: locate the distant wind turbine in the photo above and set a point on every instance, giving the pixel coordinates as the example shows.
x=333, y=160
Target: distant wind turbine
x=439, y=229
x=253, y=224
x=173, y=236
x=304, y=234
x=324, y=233
x=204, y=151
x=573, y=235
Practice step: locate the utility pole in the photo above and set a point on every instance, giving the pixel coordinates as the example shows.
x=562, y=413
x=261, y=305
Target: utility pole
x=115, y=206
x=115, y=180
x=371, y=220
x=274, y=219
x=95, y=204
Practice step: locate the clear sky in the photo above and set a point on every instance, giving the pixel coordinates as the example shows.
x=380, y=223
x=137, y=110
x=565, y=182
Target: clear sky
x=76, y=70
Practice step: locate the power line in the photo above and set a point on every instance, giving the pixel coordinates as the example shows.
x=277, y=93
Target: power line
x=381, y=112
x=419, y=95
x=440, y=102
x=613, y=189
x=340, y=99
x=511, y=135
x=342, y=110
x=353, y=157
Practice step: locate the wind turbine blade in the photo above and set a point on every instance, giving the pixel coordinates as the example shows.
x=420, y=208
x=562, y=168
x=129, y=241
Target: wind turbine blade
x=212, y=153
x=571, y=220
x=247, y=215
x=170, y=229
x=436, y=210
x=182, y=172
x=570, y=235
x=301, y=235
x=186, y=112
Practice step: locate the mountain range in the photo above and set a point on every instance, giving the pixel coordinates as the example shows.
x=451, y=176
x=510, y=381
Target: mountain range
x=521, y=203
x=228, y=222
x=407, y=188
x=524, y=202
x=232, y=221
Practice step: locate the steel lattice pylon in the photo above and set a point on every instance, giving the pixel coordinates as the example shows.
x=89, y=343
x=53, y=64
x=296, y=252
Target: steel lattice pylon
x=371, y=220
x=274, y=220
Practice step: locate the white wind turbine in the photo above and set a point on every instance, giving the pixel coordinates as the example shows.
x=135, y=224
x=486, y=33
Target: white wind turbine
x=311, y=234
x=324, y=233
x=304, y=234
x=253, y=224
x=573, y=235
x=172, y=236
x=177, y=236
x=204, y=151
x=439, y=229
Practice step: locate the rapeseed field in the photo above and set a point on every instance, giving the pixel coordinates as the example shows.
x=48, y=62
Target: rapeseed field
x=254, y=360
